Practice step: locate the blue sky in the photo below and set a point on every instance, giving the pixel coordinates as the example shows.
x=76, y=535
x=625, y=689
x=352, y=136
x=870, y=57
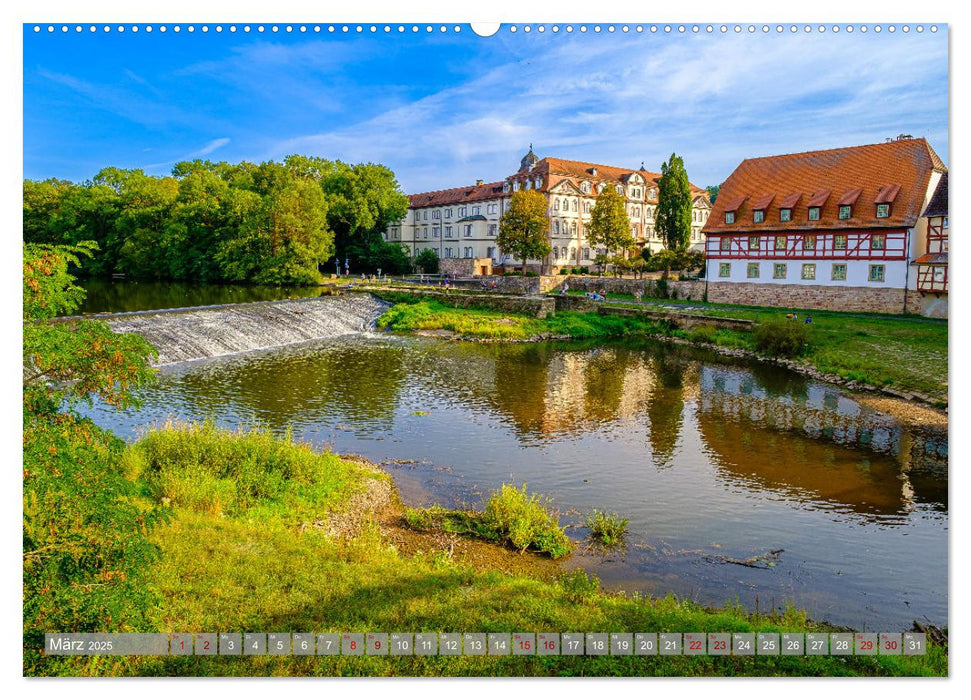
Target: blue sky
x=443, y=110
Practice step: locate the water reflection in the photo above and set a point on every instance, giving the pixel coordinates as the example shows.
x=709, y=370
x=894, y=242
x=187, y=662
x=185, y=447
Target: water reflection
x=704, y=455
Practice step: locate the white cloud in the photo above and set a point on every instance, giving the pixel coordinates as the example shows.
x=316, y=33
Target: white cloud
x=714, y=100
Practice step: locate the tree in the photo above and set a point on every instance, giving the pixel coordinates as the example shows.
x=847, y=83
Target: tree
x=524, y=226
x=85, y=534
x=674, y=205
x=427, y=261
x=713, y=192
x=609, y=226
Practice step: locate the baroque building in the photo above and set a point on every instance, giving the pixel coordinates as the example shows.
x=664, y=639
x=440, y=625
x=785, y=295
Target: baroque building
x=463, y=222
x=836, y=229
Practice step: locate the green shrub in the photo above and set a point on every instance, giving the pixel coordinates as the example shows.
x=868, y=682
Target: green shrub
x=524, y=521
x=427, y=261
x=781, y=338
x=609, y=529
x=661, y=289
x=564, y=271
x=705, y=333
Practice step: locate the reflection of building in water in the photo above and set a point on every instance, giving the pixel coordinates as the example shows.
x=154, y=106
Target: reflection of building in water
x=820, y=443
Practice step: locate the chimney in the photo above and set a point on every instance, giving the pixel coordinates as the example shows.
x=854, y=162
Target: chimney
x=478, y=183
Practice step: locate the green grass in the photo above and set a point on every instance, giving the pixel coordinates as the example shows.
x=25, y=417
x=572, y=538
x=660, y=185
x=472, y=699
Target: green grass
x=499, y=325
x=512, y=517
x=608, y=529
x=250, y=567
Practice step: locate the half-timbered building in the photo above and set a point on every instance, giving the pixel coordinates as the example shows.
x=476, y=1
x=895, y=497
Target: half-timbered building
x=834, y=229
x=932, y=270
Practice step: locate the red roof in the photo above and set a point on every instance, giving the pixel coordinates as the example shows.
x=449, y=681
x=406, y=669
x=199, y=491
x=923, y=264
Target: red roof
x=849, y=198
x=887, y=194
x=456, y=195
x=763, y=201
x=897, y=169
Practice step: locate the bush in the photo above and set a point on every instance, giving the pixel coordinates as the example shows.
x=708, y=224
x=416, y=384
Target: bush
x=427, y=261
x=530, y=273
x=609, y=529
x=564, y=271
x=705, y=333
x=781, y=338
x=579, y=586
x=661, y=289
x=525, y=522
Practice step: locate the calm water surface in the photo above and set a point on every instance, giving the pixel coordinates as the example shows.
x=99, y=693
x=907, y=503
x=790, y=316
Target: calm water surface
x=707, y=458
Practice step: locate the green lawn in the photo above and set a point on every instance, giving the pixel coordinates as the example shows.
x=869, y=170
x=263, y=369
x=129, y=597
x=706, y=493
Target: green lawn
x=265, y=561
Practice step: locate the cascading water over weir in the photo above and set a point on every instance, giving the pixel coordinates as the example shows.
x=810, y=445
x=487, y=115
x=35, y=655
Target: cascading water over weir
x=181, y=335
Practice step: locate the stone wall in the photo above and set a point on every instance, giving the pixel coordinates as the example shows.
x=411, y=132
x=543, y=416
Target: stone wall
x=465, y=267
x=678, y=320
x=799, y=296
x=927, y=304
x=688, y=289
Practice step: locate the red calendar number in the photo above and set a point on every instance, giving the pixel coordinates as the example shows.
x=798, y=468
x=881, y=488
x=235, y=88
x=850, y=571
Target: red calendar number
x=866, y=645
x=890, y=644
x=205, y=645
x=720, y=646
x=695, y=645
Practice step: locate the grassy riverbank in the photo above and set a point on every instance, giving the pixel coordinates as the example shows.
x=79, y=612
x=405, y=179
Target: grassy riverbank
x=431, y=315
x=267, y=535
x=906, y=353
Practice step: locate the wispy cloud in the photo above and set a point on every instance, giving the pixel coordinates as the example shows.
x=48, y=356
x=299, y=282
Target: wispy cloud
x=714, y=100
x=210, y=147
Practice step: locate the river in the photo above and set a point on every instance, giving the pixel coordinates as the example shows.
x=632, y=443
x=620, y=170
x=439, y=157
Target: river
x=710, y=459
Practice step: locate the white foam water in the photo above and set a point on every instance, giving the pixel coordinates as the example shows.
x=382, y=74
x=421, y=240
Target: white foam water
x=196, y=333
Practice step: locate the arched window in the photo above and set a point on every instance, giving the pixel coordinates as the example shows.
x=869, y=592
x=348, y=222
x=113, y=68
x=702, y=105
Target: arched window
x=585, y=187
x=556, y=226
x=574, y=205
x=620, y=189
x=556, y=253
x=573, y=253
x=556, y=204
x=586, y=253
x=573, y=228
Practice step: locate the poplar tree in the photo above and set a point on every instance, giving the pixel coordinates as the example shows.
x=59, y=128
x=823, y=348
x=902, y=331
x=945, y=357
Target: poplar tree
x=673, y=216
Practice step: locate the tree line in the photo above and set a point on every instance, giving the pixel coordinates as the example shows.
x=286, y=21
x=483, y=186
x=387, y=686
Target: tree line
x=270, y=223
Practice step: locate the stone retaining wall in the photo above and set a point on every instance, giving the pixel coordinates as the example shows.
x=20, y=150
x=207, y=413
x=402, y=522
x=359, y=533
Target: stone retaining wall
x=678, y=320
x=538, y=307
x=799, y=296
x=676, y=289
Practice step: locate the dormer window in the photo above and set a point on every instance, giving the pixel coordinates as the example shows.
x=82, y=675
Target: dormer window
x=585, y=187
x=600, y=187
x=539, y=183
x=758, y=216
x=814, y=213
x=729, y=217
x=785, y=215
x=620, y=189
x=884, y=200
x=515, y=186
x=883, y=211
x=845, y=211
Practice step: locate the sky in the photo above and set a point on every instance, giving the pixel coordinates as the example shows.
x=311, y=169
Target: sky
x=445, y=109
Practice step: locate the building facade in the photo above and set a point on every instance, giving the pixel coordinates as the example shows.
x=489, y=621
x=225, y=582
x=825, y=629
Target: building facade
x=836, y=229
x=932, y=269
x=463, y=222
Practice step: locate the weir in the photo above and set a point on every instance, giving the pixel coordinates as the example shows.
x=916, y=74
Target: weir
x=197, y=333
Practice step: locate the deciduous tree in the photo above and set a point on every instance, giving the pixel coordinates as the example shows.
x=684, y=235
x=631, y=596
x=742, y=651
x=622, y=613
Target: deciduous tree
x=523, y=228
x=609, y=226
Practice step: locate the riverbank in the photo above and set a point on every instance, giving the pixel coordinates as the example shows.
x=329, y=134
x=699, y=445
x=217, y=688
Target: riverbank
x=898, y=355
x=269, y=535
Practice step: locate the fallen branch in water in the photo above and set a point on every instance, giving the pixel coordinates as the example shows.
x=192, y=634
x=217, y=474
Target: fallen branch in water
x=760, y=561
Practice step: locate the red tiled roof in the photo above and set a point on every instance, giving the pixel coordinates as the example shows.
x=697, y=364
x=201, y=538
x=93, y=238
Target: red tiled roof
x=731, y=204
x=931, y=258
x=552, y=170
x=887, y=194
x=907, y=163
x=456, y=195
x=789, y=201
x=763, y=201
x=849, y=198
x=819, y=198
